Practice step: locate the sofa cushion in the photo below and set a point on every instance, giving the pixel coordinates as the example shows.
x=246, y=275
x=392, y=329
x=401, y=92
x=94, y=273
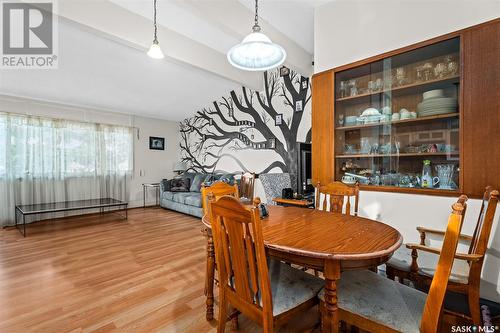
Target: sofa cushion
x=180, y=185
x=196, y=183
x=180, y=197
x=167, y=195
x=189, y=175
x=194, y=199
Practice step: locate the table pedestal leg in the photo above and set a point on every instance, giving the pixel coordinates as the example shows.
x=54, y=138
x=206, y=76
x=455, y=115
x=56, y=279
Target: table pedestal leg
x=209, y=281
x=330, y=317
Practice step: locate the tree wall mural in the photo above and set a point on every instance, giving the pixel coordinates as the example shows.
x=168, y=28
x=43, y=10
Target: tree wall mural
x=251, y=130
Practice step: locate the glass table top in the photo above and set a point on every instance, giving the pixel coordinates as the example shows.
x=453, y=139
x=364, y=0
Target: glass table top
x=69, y=205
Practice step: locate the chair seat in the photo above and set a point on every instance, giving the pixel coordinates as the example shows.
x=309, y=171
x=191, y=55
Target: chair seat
x=427, y=263
x=381, y=300
x=291, y=287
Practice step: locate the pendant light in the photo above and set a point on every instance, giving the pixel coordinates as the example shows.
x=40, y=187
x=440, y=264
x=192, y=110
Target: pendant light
x=256, y=52
x=155, y=51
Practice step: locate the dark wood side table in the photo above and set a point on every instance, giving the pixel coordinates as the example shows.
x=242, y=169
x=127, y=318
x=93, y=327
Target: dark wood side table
x=294, y=202
x=152, y=185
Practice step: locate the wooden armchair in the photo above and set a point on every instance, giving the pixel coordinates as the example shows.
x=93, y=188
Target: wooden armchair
x=267, y=291
x=217, y=190
x=247, y=185
x=376, y=304
x=417, y=262
x=334, y=194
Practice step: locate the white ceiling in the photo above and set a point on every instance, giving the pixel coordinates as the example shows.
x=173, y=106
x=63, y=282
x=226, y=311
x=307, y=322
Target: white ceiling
x=106, y=68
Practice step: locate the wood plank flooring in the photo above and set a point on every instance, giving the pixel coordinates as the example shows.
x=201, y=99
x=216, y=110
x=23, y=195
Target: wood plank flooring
x=100, y=273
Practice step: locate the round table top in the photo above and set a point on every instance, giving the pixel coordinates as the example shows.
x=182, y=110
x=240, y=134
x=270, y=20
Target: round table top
x=319, y=234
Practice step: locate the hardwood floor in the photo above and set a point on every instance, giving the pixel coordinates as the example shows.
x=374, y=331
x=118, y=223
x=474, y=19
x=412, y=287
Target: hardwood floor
x=100, y=273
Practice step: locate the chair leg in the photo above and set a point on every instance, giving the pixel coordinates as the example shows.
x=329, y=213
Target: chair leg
x=234, y=321
x=321, y=308
x=268, y=325
x=475, y=312
x=221, y=324
x=209, y=279
x=389, y=271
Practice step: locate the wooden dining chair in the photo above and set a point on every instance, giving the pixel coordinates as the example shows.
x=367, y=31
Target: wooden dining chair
x=417, y=262
x=376, y=304
x=267, y=291
x=247, y=185
x=217, y=190
x=334, y=197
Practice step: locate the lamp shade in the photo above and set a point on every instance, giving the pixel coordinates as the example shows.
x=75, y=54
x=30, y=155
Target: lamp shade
x=256, y=53
x=155, y=51
x=180, y=166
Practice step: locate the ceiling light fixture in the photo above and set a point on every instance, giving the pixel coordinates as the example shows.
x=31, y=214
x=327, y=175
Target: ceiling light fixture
x=256, y=52
x=155, y=51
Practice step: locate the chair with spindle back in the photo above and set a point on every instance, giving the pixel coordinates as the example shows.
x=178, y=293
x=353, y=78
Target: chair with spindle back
x=377, y=304
x=267, y=291
x=217, y=189
x=334, y=196
x=417, y=262
x=247, y=185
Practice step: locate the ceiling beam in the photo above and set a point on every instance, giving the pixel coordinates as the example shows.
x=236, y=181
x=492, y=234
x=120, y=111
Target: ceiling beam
x=236, y=19
x=136, y=31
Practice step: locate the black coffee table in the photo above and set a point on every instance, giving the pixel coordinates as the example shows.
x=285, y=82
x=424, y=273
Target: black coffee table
x=65, y=206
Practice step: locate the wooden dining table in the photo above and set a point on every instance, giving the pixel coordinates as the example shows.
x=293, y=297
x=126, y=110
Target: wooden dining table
x=324, y=241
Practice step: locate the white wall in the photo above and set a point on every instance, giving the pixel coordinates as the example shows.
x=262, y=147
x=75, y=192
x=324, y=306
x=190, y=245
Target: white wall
x=153, y=165
x=351, y=30
x=149, y=165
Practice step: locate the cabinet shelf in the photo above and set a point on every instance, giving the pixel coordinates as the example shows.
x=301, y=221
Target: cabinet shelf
x=415, y=137
x=454, y=153
x=411, y=86
x=412, y=190
x=397, y=122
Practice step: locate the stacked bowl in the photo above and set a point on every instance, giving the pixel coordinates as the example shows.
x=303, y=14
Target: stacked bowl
x=435, y=103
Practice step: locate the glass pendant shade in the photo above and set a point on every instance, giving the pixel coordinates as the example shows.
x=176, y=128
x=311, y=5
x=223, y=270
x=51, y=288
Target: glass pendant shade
x=155, y=51
x=256, y=53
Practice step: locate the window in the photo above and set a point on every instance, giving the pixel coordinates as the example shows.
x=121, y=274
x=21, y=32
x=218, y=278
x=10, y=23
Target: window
x=34, y=147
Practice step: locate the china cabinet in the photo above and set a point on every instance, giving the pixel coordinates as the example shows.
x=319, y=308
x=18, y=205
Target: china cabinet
x=420, y=119
x=397, y=120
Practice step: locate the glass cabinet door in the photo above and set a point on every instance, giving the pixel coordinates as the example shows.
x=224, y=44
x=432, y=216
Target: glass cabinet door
x=397, y=120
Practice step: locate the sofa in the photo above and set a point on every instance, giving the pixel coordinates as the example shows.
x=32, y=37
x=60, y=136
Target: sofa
x=183, y=193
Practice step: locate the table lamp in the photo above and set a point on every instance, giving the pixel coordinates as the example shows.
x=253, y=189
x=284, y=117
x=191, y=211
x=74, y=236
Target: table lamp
x=180, y=167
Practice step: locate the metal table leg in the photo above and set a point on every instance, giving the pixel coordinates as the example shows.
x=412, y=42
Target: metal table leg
x=157, y=196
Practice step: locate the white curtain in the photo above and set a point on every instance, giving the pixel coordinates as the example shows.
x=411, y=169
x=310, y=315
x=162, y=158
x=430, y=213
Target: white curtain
x=50, y=160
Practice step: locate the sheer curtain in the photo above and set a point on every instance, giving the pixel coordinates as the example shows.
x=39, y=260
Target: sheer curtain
x=49, y=160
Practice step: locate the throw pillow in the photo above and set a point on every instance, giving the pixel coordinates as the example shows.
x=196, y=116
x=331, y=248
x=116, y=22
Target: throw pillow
x=180, y=185
x=197, y=181
x=227, y=178
x=165, y=185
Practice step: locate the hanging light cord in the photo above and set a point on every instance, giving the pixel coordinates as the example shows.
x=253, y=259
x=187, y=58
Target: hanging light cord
x=154, y=22
x=256, y=27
